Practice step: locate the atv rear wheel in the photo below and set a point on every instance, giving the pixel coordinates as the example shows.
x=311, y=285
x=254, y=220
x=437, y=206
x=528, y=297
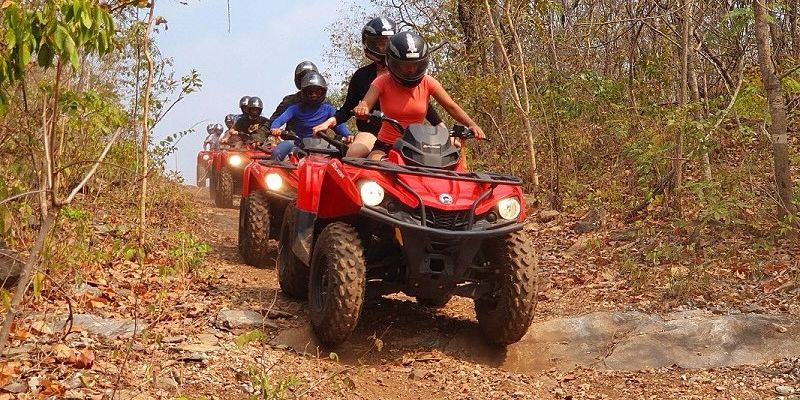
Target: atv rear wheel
x=256, y=230
x=337, y=283
x=292, y=272
x=224, y=195
x=505, y=315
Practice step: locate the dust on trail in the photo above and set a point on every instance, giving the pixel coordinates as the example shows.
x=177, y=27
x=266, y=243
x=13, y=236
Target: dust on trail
x=426, y=351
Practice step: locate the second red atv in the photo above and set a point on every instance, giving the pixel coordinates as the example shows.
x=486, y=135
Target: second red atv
x=268, y=188
x=416, y=223
x=226, y=171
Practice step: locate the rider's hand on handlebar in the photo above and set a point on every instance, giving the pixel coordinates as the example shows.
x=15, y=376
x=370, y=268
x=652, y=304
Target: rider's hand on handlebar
x=361, y=111
x=348, y=139
x=477, y=131
x=276, y=132
x=328, y=124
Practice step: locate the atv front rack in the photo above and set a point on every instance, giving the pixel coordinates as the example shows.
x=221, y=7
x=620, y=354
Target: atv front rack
x=481, y=177
x=278, y=164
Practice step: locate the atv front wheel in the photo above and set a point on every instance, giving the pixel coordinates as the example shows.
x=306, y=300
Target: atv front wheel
x=242, y=236
x=505, y=315
x=336, y=287
x=224, y=195
x=255, y=228
x=201, y=175
x=212, y=186
x=292, y=272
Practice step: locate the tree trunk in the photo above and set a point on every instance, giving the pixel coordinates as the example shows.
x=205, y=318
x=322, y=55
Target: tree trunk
x=145, y=129
x=683, y=99
x=777, y=112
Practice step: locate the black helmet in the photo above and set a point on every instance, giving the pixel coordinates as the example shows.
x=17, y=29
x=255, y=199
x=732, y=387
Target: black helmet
x=375, y=36
x=217, y=128
x=407, y=58
x=313, y=88
x=301, y=69
x=254, y=107
x=229, y=120
x=243, y=104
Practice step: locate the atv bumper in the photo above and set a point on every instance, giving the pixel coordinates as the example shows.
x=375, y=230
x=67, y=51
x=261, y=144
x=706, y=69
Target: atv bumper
x=477, y=232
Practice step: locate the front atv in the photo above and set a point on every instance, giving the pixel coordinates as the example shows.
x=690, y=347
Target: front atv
x=417, y=224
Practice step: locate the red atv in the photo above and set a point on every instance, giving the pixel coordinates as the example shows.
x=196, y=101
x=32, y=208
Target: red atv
x=416, y=223
x=226, y=172
x=268, y=187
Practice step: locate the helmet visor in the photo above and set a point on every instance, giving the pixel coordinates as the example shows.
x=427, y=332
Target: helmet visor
x=408, y=69
x=253, y=112
x=376, y=44
x=314, y=93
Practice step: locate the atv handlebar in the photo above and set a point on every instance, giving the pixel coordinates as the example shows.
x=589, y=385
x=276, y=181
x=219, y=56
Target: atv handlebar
x=458, y=131
x=342, y=147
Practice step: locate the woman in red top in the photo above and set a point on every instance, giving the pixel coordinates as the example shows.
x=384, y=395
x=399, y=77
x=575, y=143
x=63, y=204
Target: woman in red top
x=404, y=92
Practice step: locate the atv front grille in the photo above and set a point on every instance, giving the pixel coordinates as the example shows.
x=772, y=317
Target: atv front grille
x=450, y=220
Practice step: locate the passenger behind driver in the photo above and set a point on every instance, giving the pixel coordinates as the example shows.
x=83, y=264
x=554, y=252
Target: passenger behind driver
x=211, y=141
x=405, y=91
x=311, y=111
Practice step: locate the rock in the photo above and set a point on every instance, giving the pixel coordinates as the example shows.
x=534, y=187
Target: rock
x=590, y=221
x=74, y=395
x=24, y=349
x=88, y=289
x=10, y=267
x=107, y=328
x=624, y=235
x=419, y=374
x=247, y=388
x=16, y=387
x=548, y=215
x=173, y=339
x=194, y=357
x=208, y=338
x=242, y=319
x=197, y=348
x=166, y=383
x=579, y=246
x=635, y=341
x=74, y=381
x=784, y=390
x=125, y=394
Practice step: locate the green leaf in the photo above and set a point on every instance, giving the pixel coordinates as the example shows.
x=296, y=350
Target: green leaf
x=72, y=52
x=24, y=54
x=86, y=19
x=38, y=285
x=45, y=56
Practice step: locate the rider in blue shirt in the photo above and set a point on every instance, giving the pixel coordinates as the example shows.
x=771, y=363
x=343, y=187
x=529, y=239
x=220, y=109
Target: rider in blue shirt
x=311, y=111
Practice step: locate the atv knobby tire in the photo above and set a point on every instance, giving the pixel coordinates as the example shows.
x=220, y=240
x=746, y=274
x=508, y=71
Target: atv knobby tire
x=212, y=186
x=201, y=175
x=505, y=315
x=337, y=283
x=224, y=195
x=292, y=272
x=255, y=230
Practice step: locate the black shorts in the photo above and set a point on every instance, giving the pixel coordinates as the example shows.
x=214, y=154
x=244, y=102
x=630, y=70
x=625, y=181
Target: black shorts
x=382, y=146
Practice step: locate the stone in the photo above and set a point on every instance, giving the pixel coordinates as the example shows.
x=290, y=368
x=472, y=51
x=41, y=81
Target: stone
x=10, y=267
x=548, y=215
x=208, y=338
x=590, y=221
x=107, y=328
x=242, y=319
x=125, y=394
x=579, y=246
x=784, y=390
x=624, y=235
x=634, y=341
x=16, y=387
x=194, y=357
x=173, y=339
x=197, y=348
x=74, y=395
x=24, y=349
x=74, y=381
x=167, y=383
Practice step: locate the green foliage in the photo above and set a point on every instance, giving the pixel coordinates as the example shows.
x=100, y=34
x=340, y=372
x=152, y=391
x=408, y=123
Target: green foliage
x=59, y=28
x=246, y=338
x=186, y=254
x=268, y=389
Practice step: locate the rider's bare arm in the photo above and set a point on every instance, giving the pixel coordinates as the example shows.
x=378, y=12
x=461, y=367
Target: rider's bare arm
x=455, y=111
x=365, y=105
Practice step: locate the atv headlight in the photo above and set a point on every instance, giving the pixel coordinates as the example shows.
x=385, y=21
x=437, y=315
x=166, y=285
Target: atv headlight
x=274, y=181
x=235, y=160
x=509, y=208
x=371, y=193
x=205, y=157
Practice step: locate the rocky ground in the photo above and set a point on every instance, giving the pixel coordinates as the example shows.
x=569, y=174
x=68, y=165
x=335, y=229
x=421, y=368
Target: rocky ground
x=654, y=327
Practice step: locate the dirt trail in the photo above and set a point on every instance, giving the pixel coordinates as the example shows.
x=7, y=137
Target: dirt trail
x=426, y=353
